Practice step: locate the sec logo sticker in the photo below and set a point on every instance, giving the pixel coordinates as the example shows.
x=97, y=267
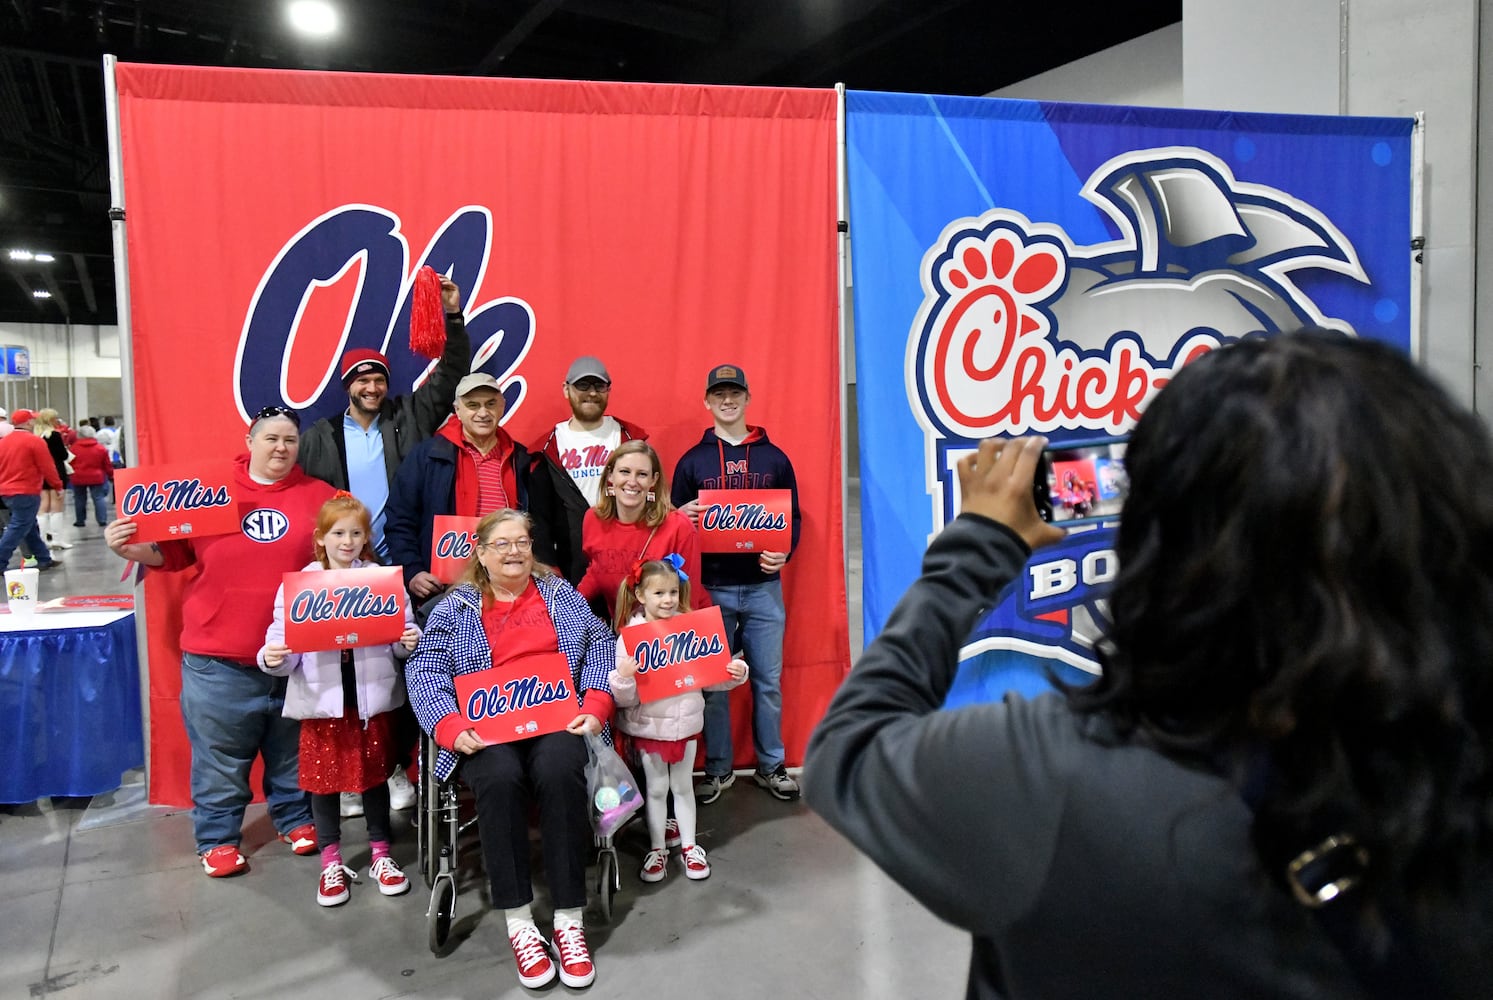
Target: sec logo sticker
x=265, y=525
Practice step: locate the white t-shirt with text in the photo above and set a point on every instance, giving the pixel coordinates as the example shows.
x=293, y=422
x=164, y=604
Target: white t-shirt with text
x=584, y=454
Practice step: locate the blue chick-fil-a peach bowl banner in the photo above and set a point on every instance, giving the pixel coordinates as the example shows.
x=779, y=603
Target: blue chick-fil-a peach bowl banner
x=1025, y=267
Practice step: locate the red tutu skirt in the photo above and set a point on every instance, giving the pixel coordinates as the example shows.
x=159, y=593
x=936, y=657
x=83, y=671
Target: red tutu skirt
x=669, y=751
x=342, y=755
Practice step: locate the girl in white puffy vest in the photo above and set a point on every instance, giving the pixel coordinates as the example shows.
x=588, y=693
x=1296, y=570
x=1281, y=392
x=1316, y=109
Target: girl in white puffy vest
x=344, y=699
x=665, y=732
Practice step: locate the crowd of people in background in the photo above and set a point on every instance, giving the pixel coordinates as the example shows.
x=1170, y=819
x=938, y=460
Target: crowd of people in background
x=34, y=482
x=566, y=528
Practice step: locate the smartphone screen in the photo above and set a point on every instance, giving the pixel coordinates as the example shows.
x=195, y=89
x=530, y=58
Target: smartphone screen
x=1081, y=482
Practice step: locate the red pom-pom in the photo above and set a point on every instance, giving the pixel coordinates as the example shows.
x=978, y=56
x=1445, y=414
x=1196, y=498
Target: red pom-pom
x=427, y=315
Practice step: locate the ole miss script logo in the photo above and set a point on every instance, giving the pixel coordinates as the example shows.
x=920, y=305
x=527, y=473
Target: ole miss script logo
x=370, y=239
x=172, y=495
x=1021, y=331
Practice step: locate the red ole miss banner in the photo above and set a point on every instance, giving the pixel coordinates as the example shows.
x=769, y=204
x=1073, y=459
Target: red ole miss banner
x=746, y=520
x=530, y=696
x=684, y=653
x=578, y=218
x=178, y=500
x=343, y=608
x=452, y=541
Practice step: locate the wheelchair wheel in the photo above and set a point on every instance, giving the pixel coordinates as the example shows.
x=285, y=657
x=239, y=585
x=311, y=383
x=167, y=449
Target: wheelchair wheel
x=608, y=881
x=442, y=911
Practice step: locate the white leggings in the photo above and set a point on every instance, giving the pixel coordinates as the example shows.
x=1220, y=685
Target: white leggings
x=661, y=779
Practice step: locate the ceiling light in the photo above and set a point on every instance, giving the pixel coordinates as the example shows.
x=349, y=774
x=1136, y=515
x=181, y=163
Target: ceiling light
x=21, y=255
x=41, y=293
x=315, y=18
x=44, y=258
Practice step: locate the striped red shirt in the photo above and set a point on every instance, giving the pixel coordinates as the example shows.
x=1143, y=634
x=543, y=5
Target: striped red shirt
x=491, y=494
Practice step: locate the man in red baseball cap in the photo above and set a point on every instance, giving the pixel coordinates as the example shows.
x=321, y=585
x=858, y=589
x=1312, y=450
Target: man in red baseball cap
x=360, y=449
x=26, y=467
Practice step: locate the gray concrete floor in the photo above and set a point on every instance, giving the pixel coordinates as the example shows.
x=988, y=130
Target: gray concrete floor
x=106, y=899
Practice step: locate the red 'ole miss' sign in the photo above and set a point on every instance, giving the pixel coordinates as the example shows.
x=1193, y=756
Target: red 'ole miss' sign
x=453, y=538
x=746, y=520
x=529, y=696
x=342, y=608
x=684, y=653
x=178, y=500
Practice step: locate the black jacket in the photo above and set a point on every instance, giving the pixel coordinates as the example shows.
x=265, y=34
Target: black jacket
x=1083, y=865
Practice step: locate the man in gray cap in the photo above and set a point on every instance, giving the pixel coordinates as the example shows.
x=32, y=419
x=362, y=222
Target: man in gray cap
x=580, y=448
x=582, y=444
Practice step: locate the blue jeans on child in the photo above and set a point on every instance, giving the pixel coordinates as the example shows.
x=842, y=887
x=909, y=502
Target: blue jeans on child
x=756, y=611
x=233, y=714
x=100, y=504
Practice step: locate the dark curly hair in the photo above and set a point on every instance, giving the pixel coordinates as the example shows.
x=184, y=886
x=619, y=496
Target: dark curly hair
x=1306, y=592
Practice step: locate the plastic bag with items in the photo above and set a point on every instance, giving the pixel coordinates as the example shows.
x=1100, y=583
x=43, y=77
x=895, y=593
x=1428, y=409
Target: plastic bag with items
x=613, y=792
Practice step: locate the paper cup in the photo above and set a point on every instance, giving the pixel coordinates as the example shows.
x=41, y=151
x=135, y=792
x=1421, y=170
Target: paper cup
x=20, y=590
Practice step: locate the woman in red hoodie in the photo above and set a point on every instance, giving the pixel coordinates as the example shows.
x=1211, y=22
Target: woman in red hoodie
x=233, y=710
x=92, y=473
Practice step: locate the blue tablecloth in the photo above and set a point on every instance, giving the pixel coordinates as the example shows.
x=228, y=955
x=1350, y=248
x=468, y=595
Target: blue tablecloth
x=69, y=705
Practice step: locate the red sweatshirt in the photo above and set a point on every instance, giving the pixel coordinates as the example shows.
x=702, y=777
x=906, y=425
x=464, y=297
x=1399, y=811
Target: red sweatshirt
x=228, y=605
x=26, y=465
x=91, y=465
x=612, y=547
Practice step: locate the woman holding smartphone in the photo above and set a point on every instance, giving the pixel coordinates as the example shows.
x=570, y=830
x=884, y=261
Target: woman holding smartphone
x=1281, y=784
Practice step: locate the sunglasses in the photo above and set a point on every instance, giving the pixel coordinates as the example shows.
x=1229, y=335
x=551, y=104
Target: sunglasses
x=277, y=411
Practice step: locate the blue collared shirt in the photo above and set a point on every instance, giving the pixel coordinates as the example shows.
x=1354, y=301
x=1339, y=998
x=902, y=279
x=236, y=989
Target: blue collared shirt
x=366, y=478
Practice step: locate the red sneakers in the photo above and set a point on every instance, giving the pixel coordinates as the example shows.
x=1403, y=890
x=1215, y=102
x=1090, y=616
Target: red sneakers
x=695, y=865
x=222, y=861
x=387, y=876
x=655, y=864
x=576, y=967
x=671, y=833
x=302, y=839
x=331, y=888
x=531, y=956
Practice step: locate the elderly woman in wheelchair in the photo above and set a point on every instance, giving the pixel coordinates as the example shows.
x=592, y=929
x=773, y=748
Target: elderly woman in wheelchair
x=510, y=675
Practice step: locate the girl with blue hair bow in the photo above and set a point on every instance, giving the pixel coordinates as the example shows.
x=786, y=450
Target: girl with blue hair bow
x=665, y=732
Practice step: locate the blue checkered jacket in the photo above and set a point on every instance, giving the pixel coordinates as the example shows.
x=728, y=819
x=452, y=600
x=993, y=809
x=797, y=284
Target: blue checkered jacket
x=454, y=642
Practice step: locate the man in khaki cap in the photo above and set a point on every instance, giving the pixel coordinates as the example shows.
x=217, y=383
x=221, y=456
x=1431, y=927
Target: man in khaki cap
x=469, y=467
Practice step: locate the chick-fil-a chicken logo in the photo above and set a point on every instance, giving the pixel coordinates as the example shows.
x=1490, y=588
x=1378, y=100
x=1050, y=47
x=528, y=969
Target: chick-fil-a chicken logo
x=1022, y=331
x=370, y=239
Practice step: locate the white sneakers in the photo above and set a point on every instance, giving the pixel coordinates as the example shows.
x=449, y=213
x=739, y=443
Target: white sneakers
x=401, y=790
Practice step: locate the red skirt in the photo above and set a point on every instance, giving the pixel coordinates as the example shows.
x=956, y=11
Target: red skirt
x=669, y=751
x=342, y=755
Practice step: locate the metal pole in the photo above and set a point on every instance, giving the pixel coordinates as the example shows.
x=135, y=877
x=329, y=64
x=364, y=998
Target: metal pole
x=842, y=226
x=126, y=361
x=1417, y=233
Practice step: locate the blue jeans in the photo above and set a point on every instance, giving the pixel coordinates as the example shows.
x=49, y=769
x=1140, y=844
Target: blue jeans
x=754, y=618
x=100, y=504
x=22, y=527
x=233, y=714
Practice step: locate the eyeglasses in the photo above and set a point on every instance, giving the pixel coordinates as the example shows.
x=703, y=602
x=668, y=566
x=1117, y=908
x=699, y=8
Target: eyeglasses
x=503, y=545
x=592, y=386
x=277, y=411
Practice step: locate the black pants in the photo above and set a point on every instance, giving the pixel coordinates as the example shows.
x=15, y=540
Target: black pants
x=326, y=812
x=551, y=771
